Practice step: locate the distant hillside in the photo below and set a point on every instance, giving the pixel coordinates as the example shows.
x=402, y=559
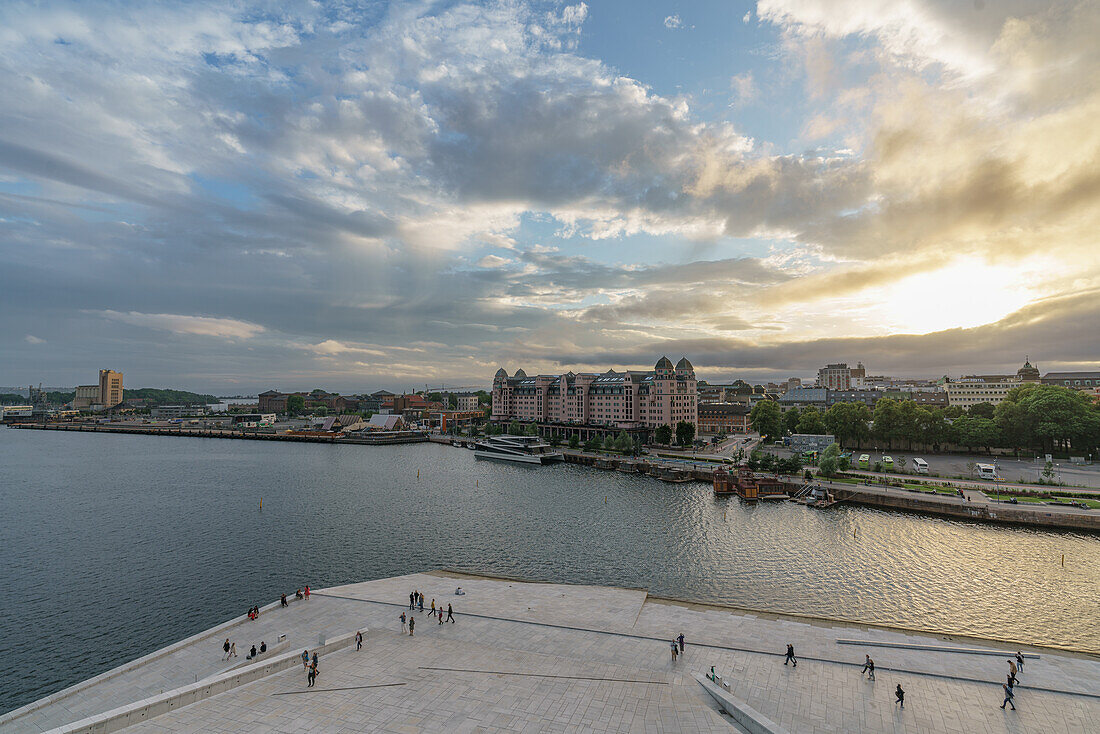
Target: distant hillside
x=167, y=397
x=11, y=398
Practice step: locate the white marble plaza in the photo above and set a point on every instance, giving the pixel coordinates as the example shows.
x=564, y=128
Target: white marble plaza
x=547, y=657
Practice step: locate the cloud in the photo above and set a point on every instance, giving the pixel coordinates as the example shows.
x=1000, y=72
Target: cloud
x=493, y=261
x=31, y=339
x=193, y=325
x=673, y=22
x=743, y=87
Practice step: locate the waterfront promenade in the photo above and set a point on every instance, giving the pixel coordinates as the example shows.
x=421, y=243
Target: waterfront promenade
x=551, y=657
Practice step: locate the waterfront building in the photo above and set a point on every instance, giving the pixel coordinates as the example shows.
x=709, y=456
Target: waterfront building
x=110, y=388
x=1076, y=380
x=801, y=442
x=993, y=389
x=86, y=396
x=631, y=399
x=719, y=418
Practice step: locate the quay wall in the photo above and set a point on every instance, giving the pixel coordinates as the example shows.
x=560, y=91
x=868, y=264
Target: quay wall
x=1001, y=513
x=223, y=433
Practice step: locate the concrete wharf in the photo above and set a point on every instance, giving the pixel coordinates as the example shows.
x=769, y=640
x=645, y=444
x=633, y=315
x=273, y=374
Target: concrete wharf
x=550, y=657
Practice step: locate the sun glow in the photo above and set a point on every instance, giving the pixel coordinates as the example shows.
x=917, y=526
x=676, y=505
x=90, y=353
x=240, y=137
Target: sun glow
x=969, y=292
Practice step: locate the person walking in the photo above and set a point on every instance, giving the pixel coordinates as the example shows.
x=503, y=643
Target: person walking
x=1012, y=671
x=674, y=649
x=790, y=655
x=312, y=675
x=439, y=614
x=1019, y=661
x=225, y=649
x=232, y=651
x=1009, y=695
x=315, y=659
x=412, y=599
x=432, y=613
x=899, y=695
x=870, y=669
x=450, y=614
x=358, y=641
x=402, y=622
x=412, y=624
x=305, y=659
x=283, y=601
x=866, y=665
x=680, y=639
x=420, y=602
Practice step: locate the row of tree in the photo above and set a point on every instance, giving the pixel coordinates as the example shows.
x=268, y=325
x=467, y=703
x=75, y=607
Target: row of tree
x=1045, y=418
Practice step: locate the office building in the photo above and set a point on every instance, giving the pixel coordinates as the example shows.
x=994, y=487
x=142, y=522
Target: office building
x=110, y=388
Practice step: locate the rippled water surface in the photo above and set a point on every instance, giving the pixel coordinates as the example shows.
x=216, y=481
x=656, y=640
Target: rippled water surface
x=113, y=546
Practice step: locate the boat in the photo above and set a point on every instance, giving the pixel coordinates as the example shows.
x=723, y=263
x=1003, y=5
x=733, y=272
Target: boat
x=521, y=449
x=747, y=485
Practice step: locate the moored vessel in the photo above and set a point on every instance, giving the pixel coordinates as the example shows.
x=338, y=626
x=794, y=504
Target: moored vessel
x=521, y=449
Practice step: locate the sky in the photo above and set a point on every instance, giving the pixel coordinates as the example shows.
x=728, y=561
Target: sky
x=239, y=196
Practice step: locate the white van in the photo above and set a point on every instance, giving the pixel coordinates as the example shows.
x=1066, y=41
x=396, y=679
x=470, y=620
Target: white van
x=920, y=466
x=987, y=471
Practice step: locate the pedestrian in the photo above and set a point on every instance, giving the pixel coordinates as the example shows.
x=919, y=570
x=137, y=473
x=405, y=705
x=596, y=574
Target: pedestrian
x=1009, y=695
x=1012, y=669
x=870, y=669
x=283, y=601
x=314, y=658
x=790, y=656
x=412, y=599
x=866, y=665
x=307, y=593
x=674, y=649
x=450, y=614
x=1011, y=678
x=412, y=624
x=232, y=651
x=439, y=614
x=403, y=622
x=312, y=676
x=263, y=647
x=900, y=696
x=420, y=602
x=358, y=641
x=305, y=659
x=680, y=639
x=432, y=613
x=1019, y=661
x=225, y=649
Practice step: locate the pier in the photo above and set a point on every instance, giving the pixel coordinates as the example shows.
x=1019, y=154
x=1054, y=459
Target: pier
x=557, y=657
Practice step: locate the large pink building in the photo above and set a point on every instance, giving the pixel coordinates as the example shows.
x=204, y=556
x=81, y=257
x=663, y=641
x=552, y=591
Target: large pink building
x=664, y=396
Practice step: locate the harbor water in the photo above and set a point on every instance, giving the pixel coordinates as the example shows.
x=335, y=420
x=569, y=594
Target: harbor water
x=115, y=545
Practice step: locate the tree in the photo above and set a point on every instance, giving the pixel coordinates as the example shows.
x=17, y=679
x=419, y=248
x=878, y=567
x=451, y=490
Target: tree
x=685, y=433
x=515, y=429
x=843, y=463
x=981, y=410
x=295, y=404
x=766, y=419
x=811, y=422
x=434, y=397
x=593, y=444
x=887, y=421
x=320, y=411
x=753, y=462
x=532, y=429
x=609, y=442
x=790, y=420
x=574, y=441
x=829, y=459
x=663, y=434
x=623, y=442
x=555, y=439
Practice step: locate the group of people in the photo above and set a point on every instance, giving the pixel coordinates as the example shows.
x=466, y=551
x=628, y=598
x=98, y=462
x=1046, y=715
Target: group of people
x=254, y=613
x=416, y=603
x=230, y=650
x=310, y=667
x=1009, y=686
x=677, y=646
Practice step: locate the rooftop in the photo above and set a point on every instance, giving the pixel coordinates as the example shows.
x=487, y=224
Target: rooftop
x=551, y=657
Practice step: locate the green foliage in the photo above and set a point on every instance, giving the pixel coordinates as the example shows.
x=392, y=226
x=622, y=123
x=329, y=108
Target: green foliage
x=11, y=398
x=531, y=430
x=593, y=444
x=574, y=441
x=168, y=397
x=515, y=429
x=766, y=419
x=810, y=421
x=843, y=463
x=623, y=442
x=295, y=404
x=753, y=462
x=663, y=434
x=981, y=410
x=829, y=459
x=685, y=433
x=790, y=420
x=57, y=397
x=320, y=411
x=849, y=423
x=555, y=439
